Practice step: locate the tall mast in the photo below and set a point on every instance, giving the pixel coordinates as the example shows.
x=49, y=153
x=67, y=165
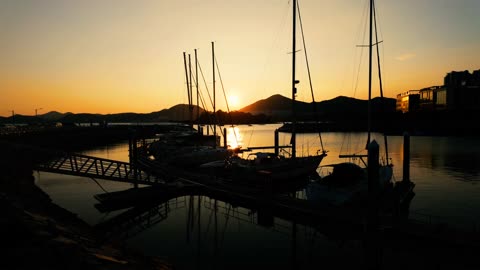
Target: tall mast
x=214, y=109
x=380, y=78
x=294, y=90
x=196, y=86
x=190, y=94
x=186, y=75
x=370, y=75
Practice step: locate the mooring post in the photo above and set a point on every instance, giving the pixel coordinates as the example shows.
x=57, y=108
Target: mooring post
x=135, y=159
x=373, y=248
x=276, y=142
x=373, y=179
x=406, y=157
x=225, y=138
x=130, y=158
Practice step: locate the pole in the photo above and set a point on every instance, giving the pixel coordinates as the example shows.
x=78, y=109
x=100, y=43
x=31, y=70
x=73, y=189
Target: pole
x=373, y=249
x=190, y=94
x=196, y=86
x=406, y=157
x=214, y=108
x=370, y=64
x=186, y=75
x=225, y=138
x=276, y=142
x=294, y=89
x=135, y=159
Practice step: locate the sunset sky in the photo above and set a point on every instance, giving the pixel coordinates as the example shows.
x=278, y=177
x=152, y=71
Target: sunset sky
x=110, y=56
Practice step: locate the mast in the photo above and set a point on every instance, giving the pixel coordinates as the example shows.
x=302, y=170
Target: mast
x=380, y=77
x=214, y=110
x=196, y=86
x=186, y=75
x=190, y=94
x=294, y=90
x=370, y=75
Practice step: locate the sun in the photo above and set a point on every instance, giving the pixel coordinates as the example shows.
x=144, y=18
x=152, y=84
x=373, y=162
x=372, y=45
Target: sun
x=233, y=102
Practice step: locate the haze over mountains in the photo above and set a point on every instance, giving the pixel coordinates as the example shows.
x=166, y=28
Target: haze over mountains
x=276, y=108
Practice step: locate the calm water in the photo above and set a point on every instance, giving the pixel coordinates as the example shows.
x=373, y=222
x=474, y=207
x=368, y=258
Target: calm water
x=199, y=232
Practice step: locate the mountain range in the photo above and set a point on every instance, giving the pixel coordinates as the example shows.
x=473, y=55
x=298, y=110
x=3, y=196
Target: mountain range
x=276, y=108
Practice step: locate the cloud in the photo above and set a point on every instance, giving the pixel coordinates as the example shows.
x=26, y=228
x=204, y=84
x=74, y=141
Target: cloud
x=405, y=56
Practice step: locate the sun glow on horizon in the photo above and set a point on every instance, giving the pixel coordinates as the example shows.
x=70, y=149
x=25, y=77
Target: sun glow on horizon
x=233, y=102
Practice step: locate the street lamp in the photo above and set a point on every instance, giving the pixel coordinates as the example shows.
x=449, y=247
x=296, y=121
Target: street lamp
x=13, y=117
x=36, y=111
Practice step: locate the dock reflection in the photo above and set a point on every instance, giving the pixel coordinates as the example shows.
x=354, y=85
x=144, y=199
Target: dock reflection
x=217, y=227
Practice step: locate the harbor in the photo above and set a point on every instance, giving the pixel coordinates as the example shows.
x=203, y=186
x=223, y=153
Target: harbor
x=144, y=135
x=288, y=213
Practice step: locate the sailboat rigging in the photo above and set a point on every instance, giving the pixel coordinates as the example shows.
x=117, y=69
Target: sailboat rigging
x=349, y=179
x=273, y=166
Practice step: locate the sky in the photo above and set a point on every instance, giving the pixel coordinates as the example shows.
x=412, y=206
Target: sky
x=111, y=56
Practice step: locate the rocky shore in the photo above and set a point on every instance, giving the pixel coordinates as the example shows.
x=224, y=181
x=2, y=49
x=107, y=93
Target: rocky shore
x=37, y=234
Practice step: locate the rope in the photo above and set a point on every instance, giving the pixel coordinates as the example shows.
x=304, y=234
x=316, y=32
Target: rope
x=208, y=93
x=226, y=101
x=99, y=185
x=309, y=77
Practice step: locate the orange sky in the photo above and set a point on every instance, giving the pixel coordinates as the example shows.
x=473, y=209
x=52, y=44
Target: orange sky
x=113, y=56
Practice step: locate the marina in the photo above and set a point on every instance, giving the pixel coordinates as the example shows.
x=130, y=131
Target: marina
x=303, y=140
x=425, y=221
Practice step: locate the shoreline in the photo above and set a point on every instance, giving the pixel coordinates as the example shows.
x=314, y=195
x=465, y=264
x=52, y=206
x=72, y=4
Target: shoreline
x=40, y=234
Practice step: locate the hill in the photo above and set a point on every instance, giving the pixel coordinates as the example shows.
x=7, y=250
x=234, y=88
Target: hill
x=279, y=107
x=178, y=112
x=273, y=109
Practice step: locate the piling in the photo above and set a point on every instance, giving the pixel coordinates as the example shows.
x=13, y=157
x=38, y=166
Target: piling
x=373, y=181
x=406, y=157
x=134, y=157
x=373, y=239
x=225, y=138
x=276, y=141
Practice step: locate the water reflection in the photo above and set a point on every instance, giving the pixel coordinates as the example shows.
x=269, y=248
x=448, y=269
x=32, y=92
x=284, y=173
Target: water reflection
x=194, y=233
x=457, y=156
x=222, y=235
x=234, y=137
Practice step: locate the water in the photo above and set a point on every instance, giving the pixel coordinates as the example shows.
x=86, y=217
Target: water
x=193, y=233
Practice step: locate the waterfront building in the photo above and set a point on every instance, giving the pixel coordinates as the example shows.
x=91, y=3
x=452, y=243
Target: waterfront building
x=433, y=98
x=460, y=92
x=463, y=90
x=408, y=101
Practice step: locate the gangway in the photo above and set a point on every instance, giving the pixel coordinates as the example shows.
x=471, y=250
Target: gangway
x=98, y=168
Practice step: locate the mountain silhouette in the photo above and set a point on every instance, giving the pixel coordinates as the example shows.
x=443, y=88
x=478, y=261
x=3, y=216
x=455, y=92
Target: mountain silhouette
x=280, y=106
x=275, y=108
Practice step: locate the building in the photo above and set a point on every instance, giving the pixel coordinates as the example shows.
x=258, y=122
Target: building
x=463, y=90
x=433, y=98
x=408, y=101
x=460, y=92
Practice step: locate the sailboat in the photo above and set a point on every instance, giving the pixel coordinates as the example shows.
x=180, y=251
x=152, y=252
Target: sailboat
x=273, y=166
x=194, y=148
x=348, y=182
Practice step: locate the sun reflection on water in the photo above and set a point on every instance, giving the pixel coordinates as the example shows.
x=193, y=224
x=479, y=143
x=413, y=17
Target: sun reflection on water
x=234, y=137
